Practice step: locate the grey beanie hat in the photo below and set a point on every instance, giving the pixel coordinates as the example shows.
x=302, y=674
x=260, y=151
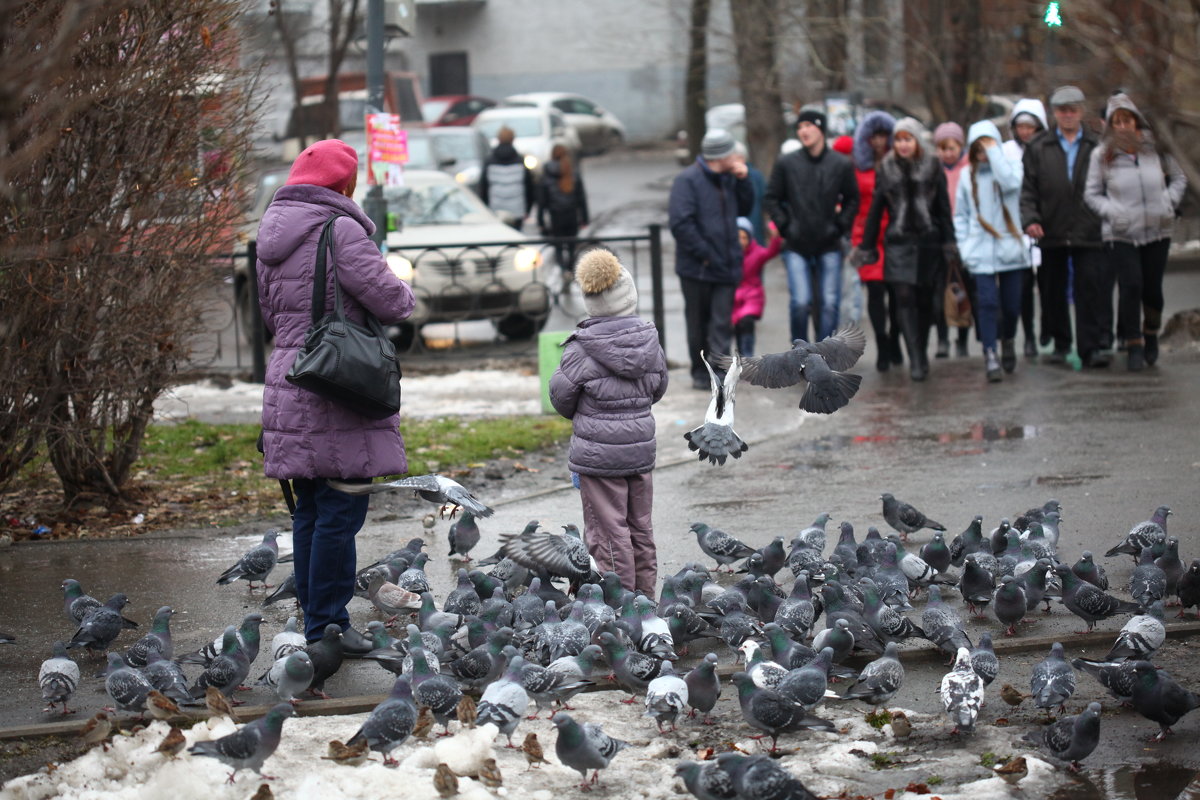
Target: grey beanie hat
x=910, y=126
x=716, y=144
x=608, y=289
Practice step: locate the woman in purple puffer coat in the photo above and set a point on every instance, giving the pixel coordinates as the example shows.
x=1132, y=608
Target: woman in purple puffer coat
x=307, y=439
x=613, y=370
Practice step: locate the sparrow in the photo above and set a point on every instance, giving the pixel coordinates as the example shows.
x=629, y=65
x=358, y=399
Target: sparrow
x=217, y=703
x=533, y=750
x=1011, y=695
x=445, y=781
x=96, y=730
x=172, y=743
x=348, y=755
x=466, y=711
x=263, y=793
x=162, y=707
x=1012, y=770
x=489, y=774
x=424, y=723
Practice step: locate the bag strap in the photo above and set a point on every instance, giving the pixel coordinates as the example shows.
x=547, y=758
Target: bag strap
x=318, y=300
x=288, y=497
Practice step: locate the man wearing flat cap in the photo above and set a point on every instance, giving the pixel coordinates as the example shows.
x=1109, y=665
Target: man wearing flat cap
x=706, y=200
x=1068, y=232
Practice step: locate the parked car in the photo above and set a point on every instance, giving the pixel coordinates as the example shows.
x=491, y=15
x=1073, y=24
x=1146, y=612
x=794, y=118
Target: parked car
x=457, y=151
x=598, y=130
x=472, y=278
x=537, y=131
x=453, y=109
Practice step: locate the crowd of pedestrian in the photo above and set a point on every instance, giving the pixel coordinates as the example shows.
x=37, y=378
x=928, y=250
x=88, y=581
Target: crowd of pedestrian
x=1055, y=217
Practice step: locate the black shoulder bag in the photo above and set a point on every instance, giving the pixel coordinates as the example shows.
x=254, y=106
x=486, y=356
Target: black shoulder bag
x=343, y=362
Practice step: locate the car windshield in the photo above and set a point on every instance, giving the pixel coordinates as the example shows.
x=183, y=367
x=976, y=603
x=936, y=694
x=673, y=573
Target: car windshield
x=431, y=110
x=522, y=126
x=441, y=204
x=459, y=146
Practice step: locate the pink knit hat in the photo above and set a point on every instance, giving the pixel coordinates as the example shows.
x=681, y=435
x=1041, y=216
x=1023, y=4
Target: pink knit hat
x=330, y=163
x=949, y=130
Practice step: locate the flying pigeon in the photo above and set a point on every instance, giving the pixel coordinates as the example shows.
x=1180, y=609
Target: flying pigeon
x=1072, y=739
x=255, y=564
x=716, y=439
x=464, y=535
x=249, y=746
x=1053, y=681
x=584, y=747
x=58, y=677
x=722, y=547
x=1151, y=533
x=389, y=723
x=905, y=518
x=434, y=488
x=1141, y=636
x=962, y=693
x=564, y=554
x=822, y=365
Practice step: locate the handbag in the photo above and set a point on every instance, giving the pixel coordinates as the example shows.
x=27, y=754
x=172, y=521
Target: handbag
x=956, y=303
x=342, y=361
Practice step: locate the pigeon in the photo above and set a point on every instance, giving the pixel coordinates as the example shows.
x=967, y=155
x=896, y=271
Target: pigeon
x=255, y=564
x=1189, y=588
x=1141, y=636
x=1158, y=698
x=838, y=638
x=249, y=746
x=1088, y=570
x=632, y=670
x=1117, y=677
x=720, y=546
x=289, y=676
x=761, y=778
x=1148, y=582
x=167, y=677
x=666, y=697
x=847, y=548
x=584, y=747
x=822, y=365
x=483, y=664
x=389, y=598
x=967, y=542
x=248, y=638
x=158, y=640
x=716, y=439
x=1088, y=602
x=704, y=688
x=765, y=674
x=1151, y=533
x=814, y=535
x=125, y=686
x=287, y=641
x=772, y=713
x=101, y=625
x=1172, y=566
x=1009, y=602
x=505, y=701
x=564, y=555
x=285, y=590
x=906, y=519
x=434, y=488
x=962, y=693
x=7, y=638
x=935, y=553
x=796, y=614
x=227, y=671
x=326, y=655
x=984, y=661
x=1072, y=739
x=576, y=672
x=439, y=693
x=879, y=680
x=76, y=604
x=389, y=723
x=918, y=571
x=1053, y=681
x=58, y=677
x=706, y=780
x=1022, y=521
x=463, y=535
x=942, y=625
x=808, y=684
x=545, y=687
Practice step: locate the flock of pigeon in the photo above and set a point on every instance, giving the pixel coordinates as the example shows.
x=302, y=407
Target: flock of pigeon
x=541, y=625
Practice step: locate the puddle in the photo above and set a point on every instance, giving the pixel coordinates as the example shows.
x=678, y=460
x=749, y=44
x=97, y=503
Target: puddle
x=1149, y=781
x=978, y=432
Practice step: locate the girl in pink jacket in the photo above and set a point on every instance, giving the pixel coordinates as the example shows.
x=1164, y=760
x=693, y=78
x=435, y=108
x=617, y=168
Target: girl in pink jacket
x=749, y=300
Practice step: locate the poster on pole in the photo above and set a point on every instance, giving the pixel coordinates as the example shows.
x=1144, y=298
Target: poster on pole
x=387, y=150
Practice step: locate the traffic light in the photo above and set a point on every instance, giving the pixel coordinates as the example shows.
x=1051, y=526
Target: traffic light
x=1053, y=15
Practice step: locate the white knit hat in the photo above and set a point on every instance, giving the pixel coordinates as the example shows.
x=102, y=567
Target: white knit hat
x=608, y=289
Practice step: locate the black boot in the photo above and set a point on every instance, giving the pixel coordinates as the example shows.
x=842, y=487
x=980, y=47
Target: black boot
x=918, y=362
x=1008, y=355
x=1151, y=347
x=1031, y=350
x=894, y=349
x=1136, y=353
x=883, y=358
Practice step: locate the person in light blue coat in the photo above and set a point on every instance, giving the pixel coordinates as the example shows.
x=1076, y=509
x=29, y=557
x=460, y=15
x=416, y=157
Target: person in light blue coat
x=987, y=213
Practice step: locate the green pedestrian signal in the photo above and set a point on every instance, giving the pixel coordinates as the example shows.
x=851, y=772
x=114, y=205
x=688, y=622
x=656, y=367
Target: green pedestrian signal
x=1053, y=15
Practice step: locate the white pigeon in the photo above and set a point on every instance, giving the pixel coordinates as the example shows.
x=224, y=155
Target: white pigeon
x=58, y=678
x=1141, y=636
x=666, y=697
x=287, y=641
x=962, y=693
x=289, y=676
x=505, y=701
x=716, y=439
x=765, y=674
x=434, y=488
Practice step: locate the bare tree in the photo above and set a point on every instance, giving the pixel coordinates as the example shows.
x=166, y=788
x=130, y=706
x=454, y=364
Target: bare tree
x=696, y=88
x=754, y=25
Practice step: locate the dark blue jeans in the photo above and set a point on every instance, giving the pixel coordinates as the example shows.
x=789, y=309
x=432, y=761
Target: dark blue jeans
x=323, y=537
x=998, y=301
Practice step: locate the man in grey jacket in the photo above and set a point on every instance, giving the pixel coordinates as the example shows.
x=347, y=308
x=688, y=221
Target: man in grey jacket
x=1068, y=232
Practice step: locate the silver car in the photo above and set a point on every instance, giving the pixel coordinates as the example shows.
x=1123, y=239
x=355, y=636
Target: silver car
x=537, y=130
x=598, y=130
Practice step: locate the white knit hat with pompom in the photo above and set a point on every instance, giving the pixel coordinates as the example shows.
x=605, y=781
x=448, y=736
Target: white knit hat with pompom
x=608, y=289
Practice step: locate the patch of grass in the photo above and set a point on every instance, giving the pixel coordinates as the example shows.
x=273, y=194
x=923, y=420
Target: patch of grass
x=883, y=760
x=878, y=718
x=990, y=759
x=934, y=780
x=453, y=443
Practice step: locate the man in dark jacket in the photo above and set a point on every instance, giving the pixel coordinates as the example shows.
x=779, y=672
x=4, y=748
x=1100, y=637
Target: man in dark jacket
x=506, y=184
x=706, y=200
x=813, y=198
x=1068, y=232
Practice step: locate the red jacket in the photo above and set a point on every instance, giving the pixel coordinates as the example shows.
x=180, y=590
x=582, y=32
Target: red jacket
x=750, y=298
x=866, y=190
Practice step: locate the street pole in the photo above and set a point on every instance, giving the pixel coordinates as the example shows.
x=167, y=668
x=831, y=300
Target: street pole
x=374, y=204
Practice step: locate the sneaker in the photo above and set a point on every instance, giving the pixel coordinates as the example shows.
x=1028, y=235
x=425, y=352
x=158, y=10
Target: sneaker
x=354, y=644
x=1151, y=349
x=1136, y=357
x=994, y=373
x=1008, y=355
x=943, y=349
x=1031, y=350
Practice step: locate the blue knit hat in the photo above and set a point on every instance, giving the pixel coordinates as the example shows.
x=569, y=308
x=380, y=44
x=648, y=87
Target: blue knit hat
x=745, y=224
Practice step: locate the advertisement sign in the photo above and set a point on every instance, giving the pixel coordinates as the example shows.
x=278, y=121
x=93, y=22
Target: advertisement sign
x=387, y=150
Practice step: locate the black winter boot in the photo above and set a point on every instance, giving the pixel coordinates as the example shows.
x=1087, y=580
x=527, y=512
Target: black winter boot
x=1151, y=347
x=1008, y=355
x=918, y=362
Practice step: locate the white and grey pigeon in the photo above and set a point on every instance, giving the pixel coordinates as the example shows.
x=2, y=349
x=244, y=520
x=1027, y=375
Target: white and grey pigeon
x=434, y=488
x=584, y=747
x=666, y=697
x=250, y=745
x=822, y=365
x=287, y=641
x=1141, y=637
x=58, y=677
x=255, y=564
x=505, y=701
x=962, y=693
x=1053, y=681
x=716, y=439
x=1152, y=532
x=289, y=675
x=879, y=680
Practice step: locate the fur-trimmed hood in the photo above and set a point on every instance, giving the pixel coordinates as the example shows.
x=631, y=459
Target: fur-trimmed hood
x=875, y=122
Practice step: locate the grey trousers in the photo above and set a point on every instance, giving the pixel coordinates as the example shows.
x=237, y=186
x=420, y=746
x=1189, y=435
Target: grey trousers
x=618, y=530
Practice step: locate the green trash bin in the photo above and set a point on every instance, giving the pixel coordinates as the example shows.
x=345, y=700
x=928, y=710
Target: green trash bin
x=549, y=355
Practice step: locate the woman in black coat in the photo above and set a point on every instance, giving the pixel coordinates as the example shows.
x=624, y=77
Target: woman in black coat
x=562, y=204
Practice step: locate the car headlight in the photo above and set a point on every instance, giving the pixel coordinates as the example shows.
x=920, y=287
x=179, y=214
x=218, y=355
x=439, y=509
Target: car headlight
x=527, y=259
x=531, y=162
x=401, y=267
x=462, y=177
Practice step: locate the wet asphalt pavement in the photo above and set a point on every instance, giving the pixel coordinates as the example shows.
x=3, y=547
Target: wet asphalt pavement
x=1109, y=444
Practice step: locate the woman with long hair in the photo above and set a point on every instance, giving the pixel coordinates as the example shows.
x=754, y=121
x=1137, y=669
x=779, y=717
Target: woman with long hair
x=562, y=204
x=987, y=211
x=1135, y=192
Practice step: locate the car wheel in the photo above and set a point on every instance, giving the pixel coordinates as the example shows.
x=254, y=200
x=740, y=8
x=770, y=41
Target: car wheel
x=245, y=299
x=612, y=140
x=520, y=326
